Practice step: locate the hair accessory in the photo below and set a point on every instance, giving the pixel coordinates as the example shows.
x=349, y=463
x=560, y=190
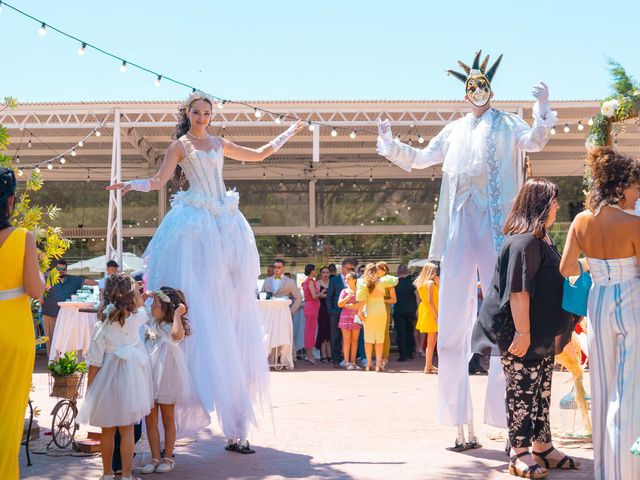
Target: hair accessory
x=162, y=296
x=107, y=310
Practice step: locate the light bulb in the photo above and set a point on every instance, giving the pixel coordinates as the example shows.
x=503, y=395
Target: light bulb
x=42, y=31
x=590, y=121
x=566, y=128
x=352, y=134
x=420, y=139
x=37, y=169
x=98, y=133
x=334, y=132
x=158, y=81
x=20, y=173
x=73, y=152
x=580, y=126
x=257, y=113
x=18, y=159
x=83, y=49
x=312, y=127
x=398, y=137
x=81, y=143
x=221, y=104
x=29, y=144
x=62, y=160
x=278, y=120
x=49, y=166
x=553, y=130
x=123, y=67
x=341, y=183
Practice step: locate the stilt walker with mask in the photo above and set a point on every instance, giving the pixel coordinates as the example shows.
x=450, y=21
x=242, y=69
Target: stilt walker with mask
x=483, y=165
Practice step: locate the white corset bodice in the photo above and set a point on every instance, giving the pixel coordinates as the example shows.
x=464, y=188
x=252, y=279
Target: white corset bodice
x=203, y=169
x=614, y=270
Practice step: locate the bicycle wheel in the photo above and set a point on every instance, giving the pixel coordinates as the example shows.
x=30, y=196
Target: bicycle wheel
x=63, y=426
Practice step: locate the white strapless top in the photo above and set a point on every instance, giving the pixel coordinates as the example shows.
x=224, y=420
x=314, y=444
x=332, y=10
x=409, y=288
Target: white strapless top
x=614, y=270
x=203, y=169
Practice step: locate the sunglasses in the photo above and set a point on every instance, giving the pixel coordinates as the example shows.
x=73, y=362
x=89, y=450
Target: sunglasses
x=61, y=269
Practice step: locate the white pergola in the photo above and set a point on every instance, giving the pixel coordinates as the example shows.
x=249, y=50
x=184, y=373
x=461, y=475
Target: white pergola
x=136, y=134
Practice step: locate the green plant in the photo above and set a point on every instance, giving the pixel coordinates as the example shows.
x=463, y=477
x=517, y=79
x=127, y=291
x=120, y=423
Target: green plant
x=67, y=365
x=51, y=243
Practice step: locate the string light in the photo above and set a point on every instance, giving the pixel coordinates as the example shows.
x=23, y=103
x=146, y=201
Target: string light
x=36, y=169
x=73, y=152
x=62, y=160
x=220, y=104
x=352, y=135
x=42, y=31
x=49, y=166
x=590, y=121
x=20, y=173
x=420, y=139
x=580, y=125
x=566, y=128
x=341, y=183
x=98, y=133
x=257, y=113
x=278, y=120
x=18, y=159
x=354, y=184
x=553, y=130
x=88, y=176
x=311, y=127
x=29, y=144
x=81, y=143
x=83, y=49
x=123, y=67
x=334, y=132
x=158, y=81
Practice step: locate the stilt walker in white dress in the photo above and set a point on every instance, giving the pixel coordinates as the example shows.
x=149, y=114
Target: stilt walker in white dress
x=483, y=169
x=205, y=247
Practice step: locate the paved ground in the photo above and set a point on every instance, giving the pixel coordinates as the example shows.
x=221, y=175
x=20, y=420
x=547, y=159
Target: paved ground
x=335, y=424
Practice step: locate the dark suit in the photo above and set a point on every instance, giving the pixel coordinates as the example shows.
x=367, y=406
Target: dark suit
x=336, y=285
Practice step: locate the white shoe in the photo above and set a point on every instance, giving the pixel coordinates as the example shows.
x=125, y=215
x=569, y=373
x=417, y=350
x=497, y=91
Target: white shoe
x=350, y=366
x=165, y=467
x=151, y=467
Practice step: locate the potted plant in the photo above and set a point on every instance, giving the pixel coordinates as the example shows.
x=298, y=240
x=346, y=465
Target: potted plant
x=66, y=374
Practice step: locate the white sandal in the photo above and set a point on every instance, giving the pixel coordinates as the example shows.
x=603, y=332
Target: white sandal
x=166, y=467
x=151, y=467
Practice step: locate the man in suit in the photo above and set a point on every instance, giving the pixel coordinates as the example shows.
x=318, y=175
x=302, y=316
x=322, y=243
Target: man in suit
x=336, y=284
x=279, y=285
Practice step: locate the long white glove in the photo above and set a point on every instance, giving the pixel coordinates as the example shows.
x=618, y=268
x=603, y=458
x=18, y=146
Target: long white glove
x=542, y=108
x=142, y=185
x=284, y=137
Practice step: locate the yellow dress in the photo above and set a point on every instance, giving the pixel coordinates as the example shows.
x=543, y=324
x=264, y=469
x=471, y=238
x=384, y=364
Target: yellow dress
x=426, y=319
x=376, y=310
x=17, y=353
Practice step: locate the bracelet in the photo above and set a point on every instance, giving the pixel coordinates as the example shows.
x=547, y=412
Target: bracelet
x=520, y=334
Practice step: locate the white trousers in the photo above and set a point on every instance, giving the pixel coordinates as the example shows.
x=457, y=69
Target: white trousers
x=469, y=251
x=614, y=362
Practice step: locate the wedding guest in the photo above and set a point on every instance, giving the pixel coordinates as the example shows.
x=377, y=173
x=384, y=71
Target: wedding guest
x=389, y=300
x=608, y=234
x=112, y=267
x=404, y=313
x=336, y=285
x=522, y=314
x=20, y=280
x=311, y=310
x=427, y=285
x=279, y=285
x=333, y=270
x=323, y=337
x=348, y=325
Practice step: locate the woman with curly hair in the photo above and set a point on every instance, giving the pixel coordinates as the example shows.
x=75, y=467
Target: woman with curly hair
x=608, y=234
x=198, y=248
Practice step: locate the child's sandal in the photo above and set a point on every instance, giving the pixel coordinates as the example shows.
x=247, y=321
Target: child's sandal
x=165, y=467
x=151, y=467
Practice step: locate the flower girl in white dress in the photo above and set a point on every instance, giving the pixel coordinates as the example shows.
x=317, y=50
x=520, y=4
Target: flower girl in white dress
x=119, y=387
x=171, y=378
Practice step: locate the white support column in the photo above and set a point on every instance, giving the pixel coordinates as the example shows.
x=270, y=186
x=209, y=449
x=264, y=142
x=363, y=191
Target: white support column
x=312, y=205
x=114, y=227
x=316, y=144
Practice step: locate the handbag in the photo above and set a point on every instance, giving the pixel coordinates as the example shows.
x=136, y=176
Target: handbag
x=575, y=296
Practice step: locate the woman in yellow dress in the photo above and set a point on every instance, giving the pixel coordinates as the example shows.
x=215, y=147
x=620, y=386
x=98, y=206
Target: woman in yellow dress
x=427, y=286
x=372, y=309
x=20, y=280
x=390, y=298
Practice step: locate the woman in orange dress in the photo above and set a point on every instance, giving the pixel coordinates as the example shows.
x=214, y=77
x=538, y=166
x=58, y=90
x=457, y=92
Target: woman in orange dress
x=20, y=280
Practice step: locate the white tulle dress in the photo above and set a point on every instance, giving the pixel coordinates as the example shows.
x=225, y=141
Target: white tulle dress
x=122, y=391
x=205, y=247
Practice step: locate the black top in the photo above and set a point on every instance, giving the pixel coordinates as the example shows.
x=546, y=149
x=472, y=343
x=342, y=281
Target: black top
x=525, y=264
x=406, y=303
x=60, y=292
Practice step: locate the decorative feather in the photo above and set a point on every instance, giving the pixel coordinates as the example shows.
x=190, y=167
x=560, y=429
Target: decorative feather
x=465, y=67
x=492, y=71
x=483, y=67
x=458, y=75
x=476, y=60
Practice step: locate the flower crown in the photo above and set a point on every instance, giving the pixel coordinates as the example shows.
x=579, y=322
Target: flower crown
x=162, y=296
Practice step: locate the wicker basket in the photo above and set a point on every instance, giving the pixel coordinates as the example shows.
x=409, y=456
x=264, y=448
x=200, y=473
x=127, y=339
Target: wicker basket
x=66, y=386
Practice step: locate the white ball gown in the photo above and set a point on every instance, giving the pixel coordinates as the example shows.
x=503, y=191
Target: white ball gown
x=205, y=247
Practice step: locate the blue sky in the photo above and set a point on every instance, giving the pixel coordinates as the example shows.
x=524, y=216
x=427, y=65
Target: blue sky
x=302, y=50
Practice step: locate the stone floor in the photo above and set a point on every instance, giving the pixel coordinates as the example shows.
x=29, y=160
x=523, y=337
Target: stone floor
x=334, y=424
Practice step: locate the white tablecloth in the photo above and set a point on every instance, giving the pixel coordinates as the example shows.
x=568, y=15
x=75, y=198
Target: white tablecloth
x=278, y=328
x=74, y=329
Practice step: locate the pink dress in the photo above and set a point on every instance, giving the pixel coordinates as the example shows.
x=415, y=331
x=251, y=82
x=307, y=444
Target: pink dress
x=347, y=315
x=311, y=309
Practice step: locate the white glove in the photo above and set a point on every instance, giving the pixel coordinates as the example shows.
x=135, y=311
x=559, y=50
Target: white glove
x=541, y=93
x=284, y=137
x=384, y=131
x=143, y=185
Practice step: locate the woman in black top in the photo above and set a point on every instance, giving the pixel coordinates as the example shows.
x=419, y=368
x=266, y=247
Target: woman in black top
x=522, y=315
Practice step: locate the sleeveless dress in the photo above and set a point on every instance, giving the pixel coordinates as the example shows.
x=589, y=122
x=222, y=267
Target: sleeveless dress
x=426, y=317
x=17, y=347
x=376, y=310
x=205, y=247
x=347, y=315
x=324, y=320
x=614, y=357
x=311, y=310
